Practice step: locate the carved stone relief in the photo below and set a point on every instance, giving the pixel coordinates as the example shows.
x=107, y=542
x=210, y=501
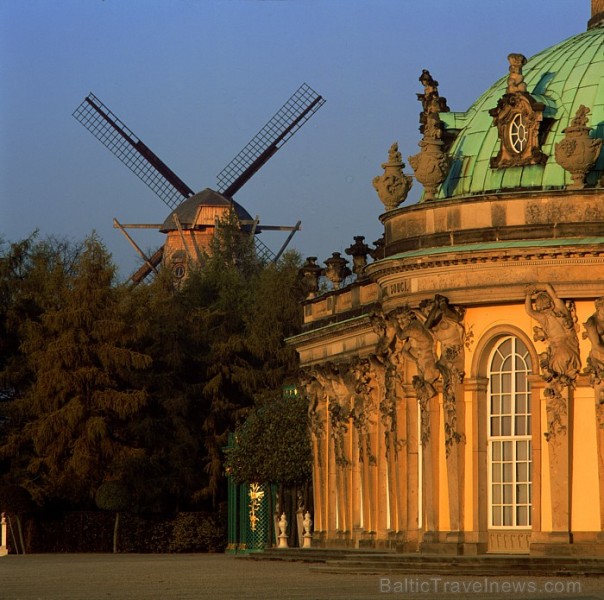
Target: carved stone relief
x=518, y=117
x=386, y=367
x=594, y=332
x=561, y=362
x=316, y=396
x=445, y=322
x=366, y=389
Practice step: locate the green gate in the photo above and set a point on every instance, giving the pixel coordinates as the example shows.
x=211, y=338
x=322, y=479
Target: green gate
x=249, y=519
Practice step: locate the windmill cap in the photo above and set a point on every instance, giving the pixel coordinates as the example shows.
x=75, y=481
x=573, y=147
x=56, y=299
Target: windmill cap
x=188, y=209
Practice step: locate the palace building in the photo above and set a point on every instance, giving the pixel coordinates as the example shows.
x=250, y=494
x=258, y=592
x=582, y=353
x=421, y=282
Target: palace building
x=456, y=386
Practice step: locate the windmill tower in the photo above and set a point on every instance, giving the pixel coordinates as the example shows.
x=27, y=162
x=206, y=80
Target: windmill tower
x=190, y=226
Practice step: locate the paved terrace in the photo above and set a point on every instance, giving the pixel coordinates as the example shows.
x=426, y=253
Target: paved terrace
x=222, y=577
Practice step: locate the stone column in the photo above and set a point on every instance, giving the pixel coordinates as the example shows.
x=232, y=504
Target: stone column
x=476, y=540
x=558, y=436
x=455, y=450
x=411, y=474
x=430, y=474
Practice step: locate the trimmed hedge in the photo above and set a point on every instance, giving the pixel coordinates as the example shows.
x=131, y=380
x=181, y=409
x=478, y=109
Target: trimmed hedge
x=92, y=531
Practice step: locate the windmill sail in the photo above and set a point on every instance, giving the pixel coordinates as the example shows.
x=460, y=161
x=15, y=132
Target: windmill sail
x=139, y=158
x=303, y=104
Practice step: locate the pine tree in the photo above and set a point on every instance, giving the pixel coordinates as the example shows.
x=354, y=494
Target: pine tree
x=67, y=431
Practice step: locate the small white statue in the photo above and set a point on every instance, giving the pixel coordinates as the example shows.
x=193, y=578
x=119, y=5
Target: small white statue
x=283, y=532
x=307, y=524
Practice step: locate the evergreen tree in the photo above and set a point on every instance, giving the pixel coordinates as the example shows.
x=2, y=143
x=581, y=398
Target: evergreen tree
x=68, y=426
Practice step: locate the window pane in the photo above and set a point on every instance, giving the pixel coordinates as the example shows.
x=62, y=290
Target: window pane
x=508, y=515
x=506, y=405
x=522, y=494
x=507, y=364
x=522, y=450
x=495, y=429
x=522, y=516
x=508, y=495
x=506, y=347
x=497, y=516
x=496, y=451
x=521, y=404
x=507, y=450
x=521, y=382
x=506, y=425
x=522, y=472
x=496, y=469
x=508, y=471
x=520, y=426
x=495, y=384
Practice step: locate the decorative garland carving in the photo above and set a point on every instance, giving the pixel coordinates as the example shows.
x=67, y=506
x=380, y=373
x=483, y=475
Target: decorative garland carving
x=445, y=322
x=364, y=405
x=315, y=394
x=418, y=345
x=338, y=386
x=385, y=367
x=561, y=362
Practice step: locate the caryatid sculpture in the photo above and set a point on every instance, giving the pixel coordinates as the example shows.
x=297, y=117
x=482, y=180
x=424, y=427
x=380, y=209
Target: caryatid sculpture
x=561, y=362
x=594, y=332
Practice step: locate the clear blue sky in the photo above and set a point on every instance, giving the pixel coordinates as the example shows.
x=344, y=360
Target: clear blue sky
x=196, y=79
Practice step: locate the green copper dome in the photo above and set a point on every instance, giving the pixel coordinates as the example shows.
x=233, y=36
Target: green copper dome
x=563, y=78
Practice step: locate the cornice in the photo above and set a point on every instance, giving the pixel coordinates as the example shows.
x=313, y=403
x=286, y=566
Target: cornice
x=580, y=254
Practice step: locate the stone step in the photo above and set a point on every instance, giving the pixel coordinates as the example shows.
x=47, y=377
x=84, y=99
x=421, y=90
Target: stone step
x=428, y=568
x=377, y=561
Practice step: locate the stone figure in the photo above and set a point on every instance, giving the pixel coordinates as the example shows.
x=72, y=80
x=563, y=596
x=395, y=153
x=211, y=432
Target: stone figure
x=594, y=332
x=419, y=347
x=561, y=362
x=516, y=78
x=418, y=344
x=338, y=386
x=445, y=322
x=315, y=394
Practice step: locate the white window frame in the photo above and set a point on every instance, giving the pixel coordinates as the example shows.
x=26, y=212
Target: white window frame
x=518, y=134
x=510, y=492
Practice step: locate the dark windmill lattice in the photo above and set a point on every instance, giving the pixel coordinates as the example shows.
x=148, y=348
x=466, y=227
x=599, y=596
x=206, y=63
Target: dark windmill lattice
x=289, y=118
x=122, y=142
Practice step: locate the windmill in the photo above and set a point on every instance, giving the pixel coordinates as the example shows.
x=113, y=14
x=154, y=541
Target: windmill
x=190, y=225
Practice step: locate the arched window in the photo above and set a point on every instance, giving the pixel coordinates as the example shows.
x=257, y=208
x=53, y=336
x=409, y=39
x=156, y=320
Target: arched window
x=509, y=435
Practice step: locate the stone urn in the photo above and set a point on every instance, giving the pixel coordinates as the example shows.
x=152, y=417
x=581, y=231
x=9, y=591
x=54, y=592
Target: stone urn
x=359, y=251
x=577, y=152
x=431, y=164
x=393, y=185
x=337, y=269
x=309, y=273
